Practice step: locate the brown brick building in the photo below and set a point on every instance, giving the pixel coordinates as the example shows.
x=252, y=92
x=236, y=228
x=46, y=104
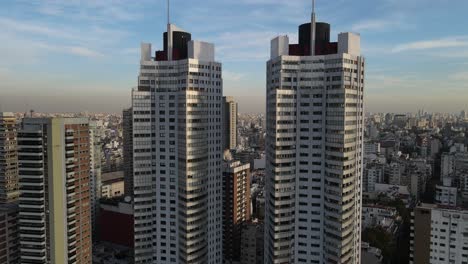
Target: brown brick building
x=236, y=207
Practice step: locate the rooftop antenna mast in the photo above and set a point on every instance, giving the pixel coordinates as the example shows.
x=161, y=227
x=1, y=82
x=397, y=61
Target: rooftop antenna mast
x=169, y=33
x=312, y=31
x=168, y=12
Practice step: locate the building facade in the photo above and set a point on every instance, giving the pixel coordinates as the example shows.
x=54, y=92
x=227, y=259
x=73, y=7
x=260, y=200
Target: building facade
x=55, y=204
x=113, y=184
x=9, y=251
x=127, y=124
x=236, y=207
x=373, y=173
x=252, y=243
x=446, y=193
x=229, y=123
x=438, y=235
x=116, y=215
x=94, y=172
x=314, y=148
x=9, y=186
x=177, y=160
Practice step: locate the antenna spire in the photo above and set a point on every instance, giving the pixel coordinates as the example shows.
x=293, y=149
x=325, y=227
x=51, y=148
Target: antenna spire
x=312, y=30
x=168, y=12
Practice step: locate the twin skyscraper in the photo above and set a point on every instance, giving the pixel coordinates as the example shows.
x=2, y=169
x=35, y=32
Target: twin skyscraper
x=314, y=140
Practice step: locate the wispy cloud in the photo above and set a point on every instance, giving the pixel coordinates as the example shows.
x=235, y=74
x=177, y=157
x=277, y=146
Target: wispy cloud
x=101, y=10
x=449, y=42
x=255, y=45
x=276, y=2
x=392, y=22
x=459, y=76
x=233, y=76
x=34, y=28
x=92, y=34
x=84, y=52
x=45, y=38
x=71, y=50
x=375, y=25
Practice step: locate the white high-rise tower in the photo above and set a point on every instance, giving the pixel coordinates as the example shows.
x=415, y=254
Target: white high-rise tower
x=177, y=153
x=314, y=148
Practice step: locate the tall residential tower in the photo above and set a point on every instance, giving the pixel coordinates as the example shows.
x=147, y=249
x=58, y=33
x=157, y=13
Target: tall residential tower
x=177, y=146
x=236, y=206
x=229, y=123
x=55, y=205
x=314, y=148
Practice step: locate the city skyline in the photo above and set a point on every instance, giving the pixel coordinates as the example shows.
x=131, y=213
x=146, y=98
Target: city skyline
x=91, y=49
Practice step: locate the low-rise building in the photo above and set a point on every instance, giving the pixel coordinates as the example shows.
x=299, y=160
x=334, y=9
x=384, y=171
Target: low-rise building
x=113, y=184
x=116, y=222
x=370, y=255
x=376, y=215
x=373, y=173
x=446, y=193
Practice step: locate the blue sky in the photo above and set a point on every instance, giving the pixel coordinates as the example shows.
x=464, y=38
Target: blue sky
x=76, y=55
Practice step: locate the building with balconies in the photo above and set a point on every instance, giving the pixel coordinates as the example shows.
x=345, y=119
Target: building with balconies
x=314, y=148
x=177, y=153
x=55, y=201
x=236, y=207
x=9, y=245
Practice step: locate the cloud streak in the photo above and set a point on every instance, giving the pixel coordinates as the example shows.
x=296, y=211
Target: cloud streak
x=101, y=10
x=378, y=25
x=459, y=76
x=449, y=42
x=229, y=76
x=255, y=44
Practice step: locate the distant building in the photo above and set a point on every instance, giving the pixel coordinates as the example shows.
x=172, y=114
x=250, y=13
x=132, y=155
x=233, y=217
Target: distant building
x=393, y=192
x=464, y=115
x=447, y=165
x=54, y=172
x=252, y=243
x=9, y=244
x=370, y=255
x=127, y=124
x=9, y=185
x=116, y=222
x=438, y=235
x=446, y=193
x=371, y=148
x=463, y=175
x=373, y=173
x=394, y=174
x=229, y=109
x=375, y=215
x=435, y=147
x=258, y=203
x=113, y=184
x=236, y=207
x=400, y=121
